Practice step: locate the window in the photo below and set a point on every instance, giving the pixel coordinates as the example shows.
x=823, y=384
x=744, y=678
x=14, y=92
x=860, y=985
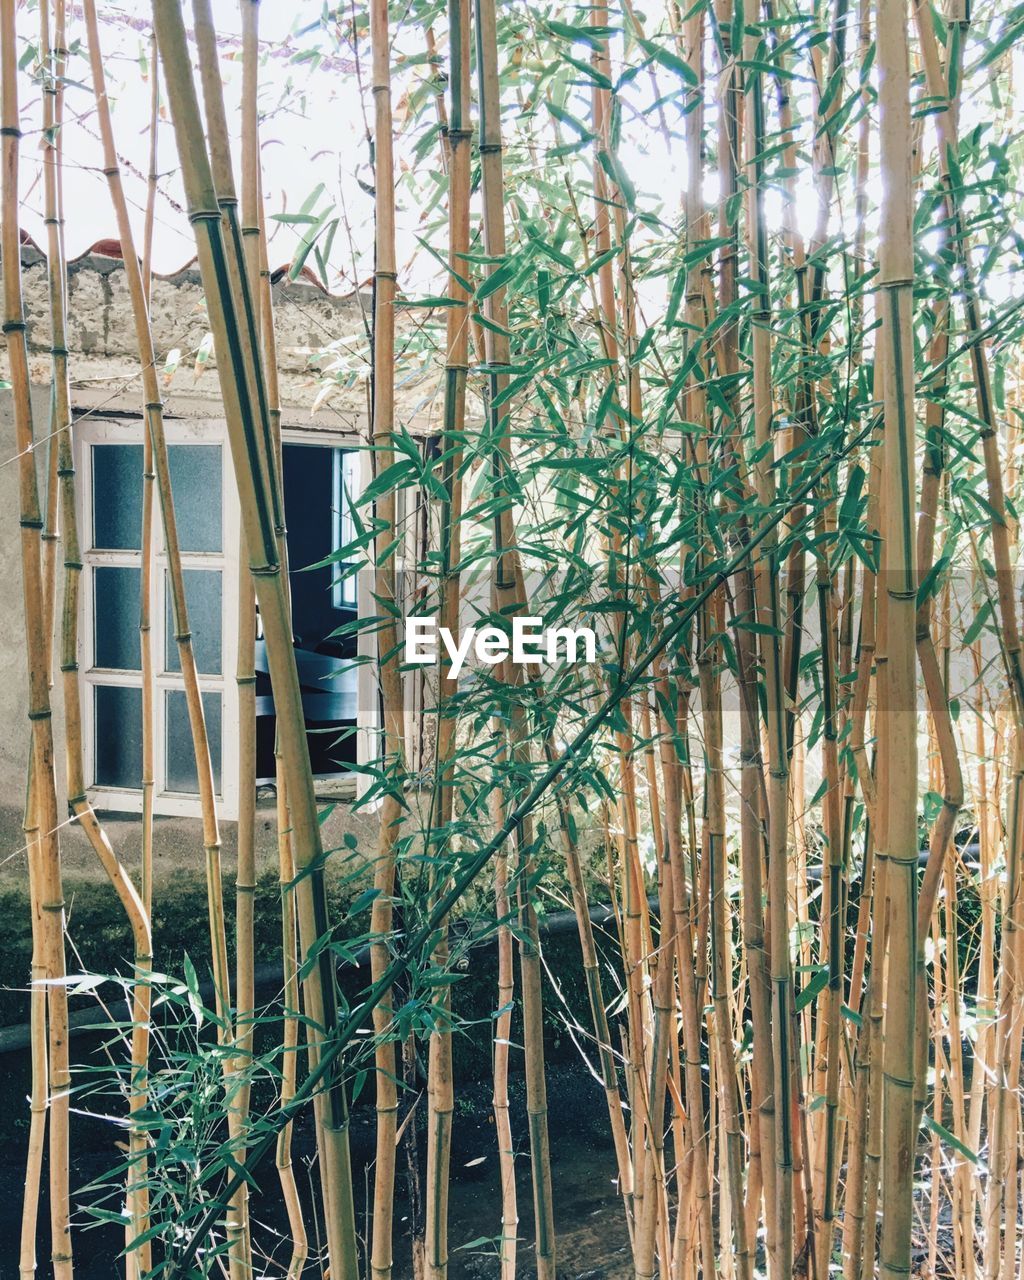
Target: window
x=320, y=480
x=110, y=485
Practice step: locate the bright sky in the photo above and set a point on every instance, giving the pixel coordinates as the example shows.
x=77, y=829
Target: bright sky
x=296, y=156
x=313, y=99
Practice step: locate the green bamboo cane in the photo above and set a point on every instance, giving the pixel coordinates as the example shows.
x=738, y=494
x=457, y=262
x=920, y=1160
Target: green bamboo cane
x=506, y=576
x=765, y=592
x=685, y=887
x=388, y=649
x=896, y=271
x=230, y=308
x=286, y=858
x=245, y=661
x=711, y=706
x=440, y=1088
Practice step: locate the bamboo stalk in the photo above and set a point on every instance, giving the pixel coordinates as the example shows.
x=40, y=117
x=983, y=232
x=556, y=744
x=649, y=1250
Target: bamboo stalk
x=896, y=270
x=509, y=598
x=388, y=649
x=154, y=415
x=441, y=1100
x=286, y=857
x=39, y=1096
x=690, y=945
x=501, y=1040
x=230, y=308
x=245, y=666
x=139, y=1261
x=763, y=587
x=711, y=705
x=42, y=790
x=290, y=1044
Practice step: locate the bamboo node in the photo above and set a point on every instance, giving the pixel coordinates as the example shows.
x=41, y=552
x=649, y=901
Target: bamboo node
x=39, y=715
x=14, y=326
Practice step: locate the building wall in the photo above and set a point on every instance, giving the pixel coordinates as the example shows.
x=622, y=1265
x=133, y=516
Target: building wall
x=14, y=726
x=104, y=371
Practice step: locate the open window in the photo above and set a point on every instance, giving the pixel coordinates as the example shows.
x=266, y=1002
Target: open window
x=319, y=482
x=320, y=479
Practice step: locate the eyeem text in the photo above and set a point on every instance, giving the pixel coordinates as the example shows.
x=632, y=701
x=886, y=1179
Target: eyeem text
x=529, y=642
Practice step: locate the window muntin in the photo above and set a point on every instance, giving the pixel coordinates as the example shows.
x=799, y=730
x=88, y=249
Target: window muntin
x=344, y=464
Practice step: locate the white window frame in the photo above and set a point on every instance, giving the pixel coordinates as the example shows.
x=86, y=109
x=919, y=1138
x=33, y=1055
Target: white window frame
x=90, y=432
x=98, y=431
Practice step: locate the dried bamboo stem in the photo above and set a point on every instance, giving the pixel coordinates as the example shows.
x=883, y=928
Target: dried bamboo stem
x=42, y=787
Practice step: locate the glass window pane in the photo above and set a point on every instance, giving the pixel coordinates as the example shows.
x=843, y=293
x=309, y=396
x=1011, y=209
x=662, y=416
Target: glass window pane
x=181, y=760
x=343, y=580
x=116, y=617
x=196, y=485
x=117, y=496
x=203, y=597
x=118, y=737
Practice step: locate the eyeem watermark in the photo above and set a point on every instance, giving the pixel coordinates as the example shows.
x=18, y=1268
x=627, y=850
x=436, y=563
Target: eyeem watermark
x=529, y=642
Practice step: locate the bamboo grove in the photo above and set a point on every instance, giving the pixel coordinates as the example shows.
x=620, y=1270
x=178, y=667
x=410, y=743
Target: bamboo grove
x=718, y=310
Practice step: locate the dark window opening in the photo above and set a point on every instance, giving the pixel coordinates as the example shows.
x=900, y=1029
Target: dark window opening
x=318, y=484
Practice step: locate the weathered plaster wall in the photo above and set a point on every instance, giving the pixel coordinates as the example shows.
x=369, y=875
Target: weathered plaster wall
x=101, y=338
x=14, y=728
